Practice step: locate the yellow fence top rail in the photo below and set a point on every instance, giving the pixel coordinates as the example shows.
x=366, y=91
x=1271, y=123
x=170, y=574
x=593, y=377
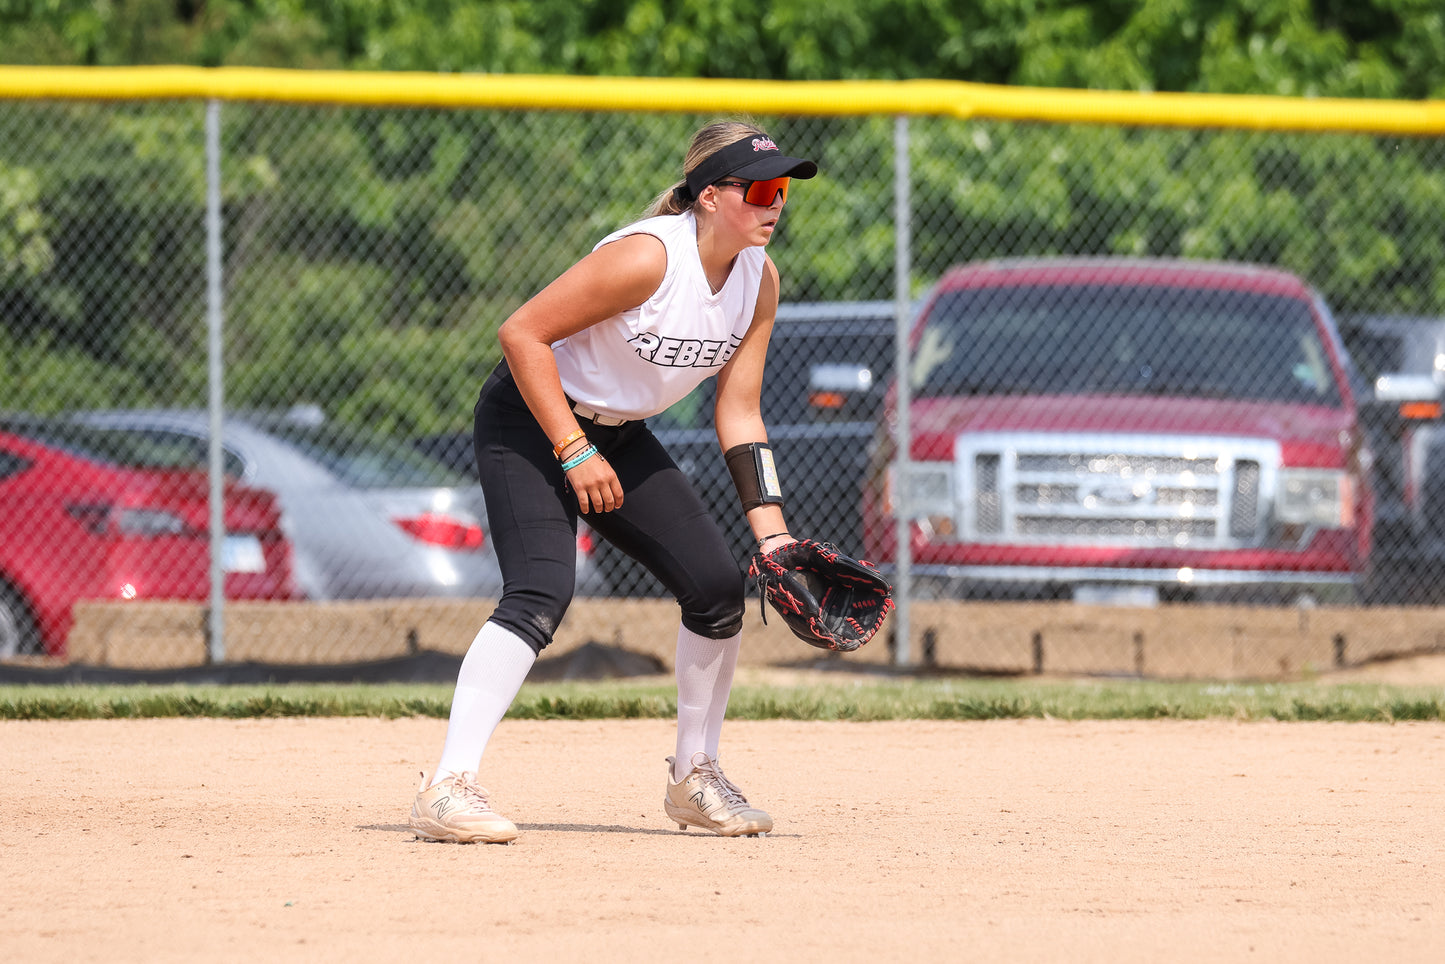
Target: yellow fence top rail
x=710, y=96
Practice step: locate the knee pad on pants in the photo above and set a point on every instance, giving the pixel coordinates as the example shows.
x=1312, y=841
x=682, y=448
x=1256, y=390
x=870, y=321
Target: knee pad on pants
x=534, y=620
x=722, y=628
x=721, y=618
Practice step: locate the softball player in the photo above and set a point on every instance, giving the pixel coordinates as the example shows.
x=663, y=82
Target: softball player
x=685, y=294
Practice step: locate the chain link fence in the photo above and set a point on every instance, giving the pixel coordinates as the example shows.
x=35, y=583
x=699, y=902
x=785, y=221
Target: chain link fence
x=1129, y=451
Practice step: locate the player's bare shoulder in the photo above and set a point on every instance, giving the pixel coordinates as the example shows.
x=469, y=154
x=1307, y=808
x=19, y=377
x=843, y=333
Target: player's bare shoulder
x=637, y=257
x=770, y=276
x=768, y=287
x=622, y=273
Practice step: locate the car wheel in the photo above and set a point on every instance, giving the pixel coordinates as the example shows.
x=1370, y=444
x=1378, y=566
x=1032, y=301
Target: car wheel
x=19, y=635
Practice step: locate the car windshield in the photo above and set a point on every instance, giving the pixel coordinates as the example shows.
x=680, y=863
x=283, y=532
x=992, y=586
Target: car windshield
x=357, y=459
x=138, y=450
x=366, y=462
x=1113, y=339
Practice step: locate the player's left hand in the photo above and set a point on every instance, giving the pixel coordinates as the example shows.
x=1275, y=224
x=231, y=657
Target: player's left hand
x=827, y=598
x=597, y=486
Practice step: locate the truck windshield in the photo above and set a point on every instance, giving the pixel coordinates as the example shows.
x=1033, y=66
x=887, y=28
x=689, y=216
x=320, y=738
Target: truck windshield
x=1114, y=339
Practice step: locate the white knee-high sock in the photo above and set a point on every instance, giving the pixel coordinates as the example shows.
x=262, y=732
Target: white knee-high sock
x=704, y=680
x=492, y=672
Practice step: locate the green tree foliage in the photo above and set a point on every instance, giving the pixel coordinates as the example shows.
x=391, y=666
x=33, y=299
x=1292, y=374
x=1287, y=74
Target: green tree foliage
x=24, y=247
x=1347, y=48
x=370, y=254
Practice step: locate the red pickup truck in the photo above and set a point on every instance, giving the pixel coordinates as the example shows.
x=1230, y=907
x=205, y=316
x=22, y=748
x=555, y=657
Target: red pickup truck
x=1126, y=431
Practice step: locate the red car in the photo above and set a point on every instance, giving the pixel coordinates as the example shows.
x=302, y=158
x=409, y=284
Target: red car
x=74, y=527
x=1128, y=430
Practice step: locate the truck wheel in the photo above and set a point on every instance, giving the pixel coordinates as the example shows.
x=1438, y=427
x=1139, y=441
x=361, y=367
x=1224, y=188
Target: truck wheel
x=19, y=635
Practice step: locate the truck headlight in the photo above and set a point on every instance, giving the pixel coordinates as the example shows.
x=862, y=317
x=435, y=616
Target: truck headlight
x=1315, y=497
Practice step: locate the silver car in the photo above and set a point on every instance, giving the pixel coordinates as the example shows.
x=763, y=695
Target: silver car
x=368, y=518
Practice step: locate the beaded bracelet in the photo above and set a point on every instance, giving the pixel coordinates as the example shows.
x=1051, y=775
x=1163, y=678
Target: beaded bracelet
x=579, y=458
x=560, y=446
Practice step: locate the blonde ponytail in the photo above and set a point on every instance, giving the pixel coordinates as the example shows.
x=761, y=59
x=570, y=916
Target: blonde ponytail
x=706, y=142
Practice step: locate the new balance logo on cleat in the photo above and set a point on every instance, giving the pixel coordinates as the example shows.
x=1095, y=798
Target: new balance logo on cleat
x=457, y=810
x=708, y=800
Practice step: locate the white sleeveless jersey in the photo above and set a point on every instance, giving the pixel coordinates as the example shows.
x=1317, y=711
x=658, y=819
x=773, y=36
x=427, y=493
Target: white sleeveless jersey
x=637, y=363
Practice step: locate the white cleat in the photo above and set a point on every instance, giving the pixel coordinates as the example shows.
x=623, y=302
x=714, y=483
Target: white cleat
x=710, y=801
x=457, y=810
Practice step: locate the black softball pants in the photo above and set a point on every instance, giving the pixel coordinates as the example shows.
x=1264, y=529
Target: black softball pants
x=532, y=516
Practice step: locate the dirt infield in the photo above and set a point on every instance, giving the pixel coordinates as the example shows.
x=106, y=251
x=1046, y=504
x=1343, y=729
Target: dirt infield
x=285, y=840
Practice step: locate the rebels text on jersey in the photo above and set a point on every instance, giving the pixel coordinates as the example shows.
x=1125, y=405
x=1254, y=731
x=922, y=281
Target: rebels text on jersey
x=684, y=352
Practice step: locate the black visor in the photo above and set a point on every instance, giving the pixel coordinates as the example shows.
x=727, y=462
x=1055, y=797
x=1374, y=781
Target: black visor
x=754, y=158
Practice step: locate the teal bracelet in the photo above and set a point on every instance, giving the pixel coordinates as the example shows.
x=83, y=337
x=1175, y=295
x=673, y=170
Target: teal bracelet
x=582, y=456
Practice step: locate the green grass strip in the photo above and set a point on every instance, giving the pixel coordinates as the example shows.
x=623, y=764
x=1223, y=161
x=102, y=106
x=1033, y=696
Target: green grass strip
x=894, y=699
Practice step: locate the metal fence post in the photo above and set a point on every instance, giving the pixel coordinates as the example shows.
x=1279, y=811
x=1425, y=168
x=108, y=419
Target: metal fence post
x=216, y=616
x=902, y=269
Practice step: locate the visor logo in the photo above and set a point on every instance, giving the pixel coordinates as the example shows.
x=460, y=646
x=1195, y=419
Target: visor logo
x=764, y=144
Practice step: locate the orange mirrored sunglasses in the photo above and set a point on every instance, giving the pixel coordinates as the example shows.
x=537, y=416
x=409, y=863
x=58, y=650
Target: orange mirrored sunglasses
x=761, y=193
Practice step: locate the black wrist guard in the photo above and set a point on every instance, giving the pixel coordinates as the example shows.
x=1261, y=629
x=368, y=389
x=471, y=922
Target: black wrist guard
x=754, y=474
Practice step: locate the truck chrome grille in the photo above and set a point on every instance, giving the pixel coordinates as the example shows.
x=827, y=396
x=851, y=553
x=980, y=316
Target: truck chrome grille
x=1119, y=490
x=988, y=501
x=1245, y=513
x=1117, y=528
